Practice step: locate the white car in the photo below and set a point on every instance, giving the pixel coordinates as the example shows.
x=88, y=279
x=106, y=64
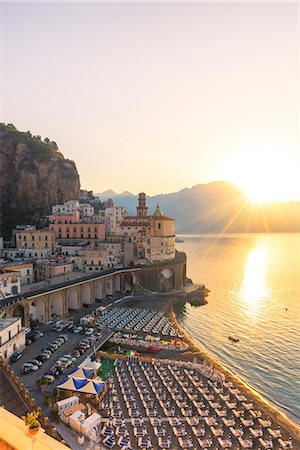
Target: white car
x=30, y=366
x=89, y=331
x=78, y=329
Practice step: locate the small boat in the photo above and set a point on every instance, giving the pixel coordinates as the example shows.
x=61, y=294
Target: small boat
x=178, y=240
x=233, y=338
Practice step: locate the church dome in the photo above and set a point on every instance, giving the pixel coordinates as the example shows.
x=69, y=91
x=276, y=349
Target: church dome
x=158, y=211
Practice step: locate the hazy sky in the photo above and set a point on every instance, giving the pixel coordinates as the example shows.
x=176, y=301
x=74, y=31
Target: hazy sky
x=157, y=96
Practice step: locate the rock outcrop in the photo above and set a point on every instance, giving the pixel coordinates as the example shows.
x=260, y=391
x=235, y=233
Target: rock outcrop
x=34, y=175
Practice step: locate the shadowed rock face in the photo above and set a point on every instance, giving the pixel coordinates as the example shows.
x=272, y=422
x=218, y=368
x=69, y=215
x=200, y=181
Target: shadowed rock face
x=34, y=175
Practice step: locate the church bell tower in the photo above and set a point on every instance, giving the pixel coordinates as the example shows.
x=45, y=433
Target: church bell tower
x=142, y=209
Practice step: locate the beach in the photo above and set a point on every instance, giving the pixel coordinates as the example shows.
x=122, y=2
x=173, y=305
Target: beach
x=165, y=303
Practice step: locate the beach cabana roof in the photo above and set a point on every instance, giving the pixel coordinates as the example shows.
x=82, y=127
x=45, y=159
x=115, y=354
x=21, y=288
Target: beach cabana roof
x=93, y=387
x=93, y=365
x=73, y=384
x=82, y=372
x=83, y=385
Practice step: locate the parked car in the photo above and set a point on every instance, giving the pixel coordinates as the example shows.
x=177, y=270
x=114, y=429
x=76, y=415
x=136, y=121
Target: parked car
x=35, y=362
x=65, y=337
x=89, y=331
x=78, y=330
x=47, y=350
x=31, y=336
x=53, y=345
x=15, y=356
x=41, y=358
x=38, y=333
x=50, y=378
x=30, y=366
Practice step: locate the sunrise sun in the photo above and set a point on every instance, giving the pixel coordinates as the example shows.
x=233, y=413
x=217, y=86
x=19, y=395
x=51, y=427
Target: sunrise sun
x=264, y=175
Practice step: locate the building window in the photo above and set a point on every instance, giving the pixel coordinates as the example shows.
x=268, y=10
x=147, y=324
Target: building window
x=46, y=244
x=27, y=271
x=32, y=238
x=159, y=226
x=14, y=347
x=14, y=290
x=9, y=335
x=24, y=238
x=46, y=238
x=5, y=354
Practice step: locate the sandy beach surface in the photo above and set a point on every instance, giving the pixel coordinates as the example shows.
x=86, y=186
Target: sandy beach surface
x=165, y=303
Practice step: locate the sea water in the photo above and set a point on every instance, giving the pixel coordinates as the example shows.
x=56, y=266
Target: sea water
x=254, y=281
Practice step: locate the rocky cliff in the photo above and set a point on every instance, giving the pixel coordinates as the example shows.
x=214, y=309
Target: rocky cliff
x=34, y=175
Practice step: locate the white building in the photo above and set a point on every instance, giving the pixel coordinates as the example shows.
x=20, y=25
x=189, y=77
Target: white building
x=89, y=426
x=25, y=270
x=114, y=216
x=109, y=254
x=67, y=403
x=12, y=336
x=68, y=207
x=86, y=210
x=10, y=283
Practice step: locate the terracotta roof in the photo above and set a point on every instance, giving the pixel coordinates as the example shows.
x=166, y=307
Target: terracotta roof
x=163, y=218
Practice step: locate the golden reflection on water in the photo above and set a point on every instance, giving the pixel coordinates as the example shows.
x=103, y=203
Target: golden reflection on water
x=254, y=282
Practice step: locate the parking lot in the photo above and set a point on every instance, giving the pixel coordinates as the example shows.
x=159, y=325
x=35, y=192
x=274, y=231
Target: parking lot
x=30, y=380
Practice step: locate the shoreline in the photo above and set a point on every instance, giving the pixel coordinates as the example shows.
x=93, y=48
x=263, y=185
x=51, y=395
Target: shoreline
x=270, y=409
x=165, y=303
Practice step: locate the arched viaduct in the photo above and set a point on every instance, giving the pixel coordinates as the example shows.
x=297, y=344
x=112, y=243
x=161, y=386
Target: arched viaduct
x=61, y=301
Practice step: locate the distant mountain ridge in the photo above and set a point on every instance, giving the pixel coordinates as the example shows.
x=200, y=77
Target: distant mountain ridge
x=215, y=207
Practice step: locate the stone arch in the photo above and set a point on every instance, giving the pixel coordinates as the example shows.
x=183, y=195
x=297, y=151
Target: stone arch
x=86, y=294
x=118, y=283
x=73, y=298
x=98, y=288
x=37, y=310
x=166, y=280
x=19, y=311
x=128, y=279
x=57, y=304
x=109, y=286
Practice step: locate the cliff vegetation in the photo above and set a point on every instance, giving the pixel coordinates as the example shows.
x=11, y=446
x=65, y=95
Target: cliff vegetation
x=34, y=175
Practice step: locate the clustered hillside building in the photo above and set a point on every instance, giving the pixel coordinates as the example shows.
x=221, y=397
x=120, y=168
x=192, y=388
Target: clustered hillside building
x=78, y=239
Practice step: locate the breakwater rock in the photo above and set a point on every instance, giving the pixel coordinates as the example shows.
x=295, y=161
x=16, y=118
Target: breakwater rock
x=196, y=297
